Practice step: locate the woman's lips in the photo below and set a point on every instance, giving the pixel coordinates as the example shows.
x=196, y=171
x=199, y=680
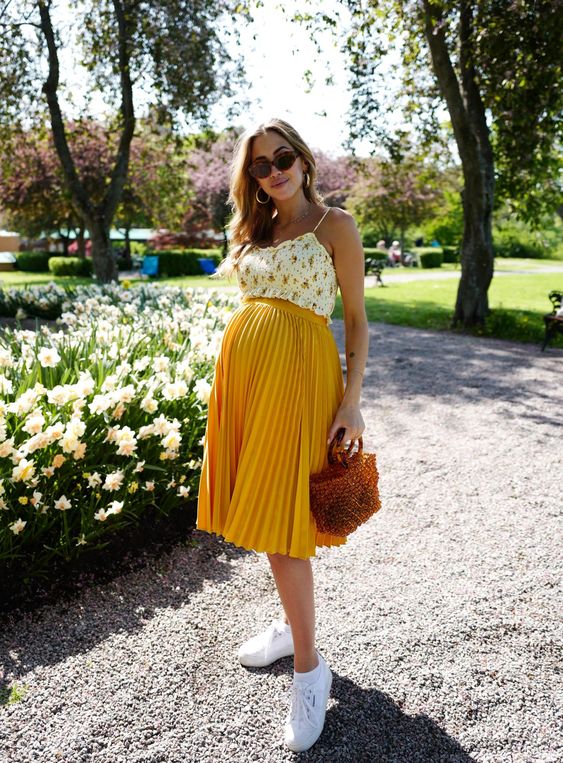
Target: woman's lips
x=277, y=185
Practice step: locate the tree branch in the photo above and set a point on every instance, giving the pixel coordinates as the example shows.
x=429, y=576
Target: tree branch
x=119, y=174
x=449, y=83
x=50, y=86
x=473, y=98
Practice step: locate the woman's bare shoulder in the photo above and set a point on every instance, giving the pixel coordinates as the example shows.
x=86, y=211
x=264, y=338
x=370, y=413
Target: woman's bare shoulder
x=340, y=223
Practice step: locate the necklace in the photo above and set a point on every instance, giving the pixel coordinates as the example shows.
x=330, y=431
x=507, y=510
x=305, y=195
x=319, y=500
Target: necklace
x=297, y=219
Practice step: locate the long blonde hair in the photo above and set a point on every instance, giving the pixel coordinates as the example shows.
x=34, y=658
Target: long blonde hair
x=252, y=223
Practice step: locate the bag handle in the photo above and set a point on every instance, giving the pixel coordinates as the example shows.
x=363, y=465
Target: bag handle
x=337, y=452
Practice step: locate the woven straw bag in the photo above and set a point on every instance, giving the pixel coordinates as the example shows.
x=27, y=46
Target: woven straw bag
x=346, y=493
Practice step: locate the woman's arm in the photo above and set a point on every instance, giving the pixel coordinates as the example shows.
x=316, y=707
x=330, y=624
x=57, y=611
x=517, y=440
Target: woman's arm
x=349, y=262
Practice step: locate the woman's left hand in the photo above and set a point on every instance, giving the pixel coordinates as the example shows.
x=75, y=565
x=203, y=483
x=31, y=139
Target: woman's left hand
x=348, y=417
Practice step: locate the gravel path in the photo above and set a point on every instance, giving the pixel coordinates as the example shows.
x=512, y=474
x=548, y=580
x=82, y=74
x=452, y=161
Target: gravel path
x=404, y=275
x=438, y=617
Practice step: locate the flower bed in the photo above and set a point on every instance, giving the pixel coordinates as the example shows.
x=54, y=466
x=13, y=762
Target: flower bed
x=102, y=421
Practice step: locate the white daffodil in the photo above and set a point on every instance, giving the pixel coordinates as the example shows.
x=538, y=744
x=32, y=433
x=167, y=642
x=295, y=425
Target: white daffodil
x=94, y=480
x=6, y=386
x=149, y=404
x=24, y=471
x=17, y=526
x=34, y=423
x=49, y=357
x=172, y=440
x=203, y=390
x=115, y=507
x=63, y=503
x=114, y=480
x=160, y=363
x=101, y=515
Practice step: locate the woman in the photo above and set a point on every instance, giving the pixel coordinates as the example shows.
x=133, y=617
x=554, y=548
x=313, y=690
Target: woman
x=278, y=395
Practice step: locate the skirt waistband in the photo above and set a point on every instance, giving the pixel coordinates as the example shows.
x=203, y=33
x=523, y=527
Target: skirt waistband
x=290, y=307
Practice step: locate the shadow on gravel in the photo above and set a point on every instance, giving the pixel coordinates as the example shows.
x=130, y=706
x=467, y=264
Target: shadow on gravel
x=417, y=364
x=365, y=726
x=163, y=577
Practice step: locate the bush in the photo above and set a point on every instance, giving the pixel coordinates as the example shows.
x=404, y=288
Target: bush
x=70, y=266
x=432, y=257
x=451, y=254
x=512, y=244
x=33, y=262
x=184, y=262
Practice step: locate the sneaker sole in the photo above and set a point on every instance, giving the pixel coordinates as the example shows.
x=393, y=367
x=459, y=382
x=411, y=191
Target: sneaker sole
x=248, y=661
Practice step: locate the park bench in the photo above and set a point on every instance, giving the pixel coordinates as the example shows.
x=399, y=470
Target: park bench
x=375, y=266
x=553, y=322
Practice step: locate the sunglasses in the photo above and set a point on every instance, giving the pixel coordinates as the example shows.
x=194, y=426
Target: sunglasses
x=263, y=167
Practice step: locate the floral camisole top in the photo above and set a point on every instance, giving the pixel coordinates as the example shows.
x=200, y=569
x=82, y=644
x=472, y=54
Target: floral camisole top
x=299, y=270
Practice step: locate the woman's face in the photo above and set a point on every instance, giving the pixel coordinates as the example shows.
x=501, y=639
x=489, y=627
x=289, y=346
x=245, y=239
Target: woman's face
x=280, y=184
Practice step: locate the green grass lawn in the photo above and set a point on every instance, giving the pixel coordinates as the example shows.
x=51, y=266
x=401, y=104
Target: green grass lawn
x=518, y=302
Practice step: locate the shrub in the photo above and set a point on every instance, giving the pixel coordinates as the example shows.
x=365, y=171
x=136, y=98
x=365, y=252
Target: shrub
x=431, y=258
x=451, y=254
x=35, y=262
x=521, y=244
x=185, y=262
x=70, y=266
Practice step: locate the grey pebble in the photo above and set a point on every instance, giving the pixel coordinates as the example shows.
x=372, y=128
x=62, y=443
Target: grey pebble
x=438, y=618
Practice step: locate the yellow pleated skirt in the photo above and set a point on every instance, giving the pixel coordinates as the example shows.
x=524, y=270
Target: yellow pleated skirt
x=276, y=389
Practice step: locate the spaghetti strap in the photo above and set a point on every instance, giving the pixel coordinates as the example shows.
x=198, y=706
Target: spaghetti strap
x=322, y=218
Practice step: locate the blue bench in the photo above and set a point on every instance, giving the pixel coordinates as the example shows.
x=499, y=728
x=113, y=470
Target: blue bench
x=150, y=265
x=207, y=265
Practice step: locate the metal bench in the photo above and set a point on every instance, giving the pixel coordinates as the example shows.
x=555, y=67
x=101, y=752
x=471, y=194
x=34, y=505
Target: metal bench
x=375, y=266
x=553, y=322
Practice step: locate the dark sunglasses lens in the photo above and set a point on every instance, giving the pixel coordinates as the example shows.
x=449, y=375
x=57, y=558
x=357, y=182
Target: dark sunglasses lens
x=285, y=161
x=260, y=169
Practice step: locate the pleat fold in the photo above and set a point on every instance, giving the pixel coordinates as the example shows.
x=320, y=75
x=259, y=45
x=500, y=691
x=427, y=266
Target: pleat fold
x=277, y=386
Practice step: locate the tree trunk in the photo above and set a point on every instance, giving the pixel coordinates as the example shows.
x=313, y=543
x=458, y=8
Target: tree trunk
x=225, y=242
x=105, y=267
x=472, y=303
x=472, y=137
x=81, y=243
x=98, y=220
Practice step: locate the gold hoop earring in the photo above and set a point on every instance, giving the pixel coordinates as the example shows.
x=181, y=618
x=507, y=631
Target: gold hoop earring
x=258, y=199
x=307, y=178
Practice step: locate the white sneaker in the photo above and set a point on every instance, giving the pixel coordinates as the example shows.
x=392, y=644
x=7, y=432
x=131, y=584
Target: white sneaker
x=267, y=647
x=305, y=719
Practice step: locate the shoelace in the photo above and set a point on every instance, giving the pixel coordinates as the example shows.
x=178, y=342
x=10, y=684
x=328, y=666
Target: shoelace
x=276, y=630
x=302, y=704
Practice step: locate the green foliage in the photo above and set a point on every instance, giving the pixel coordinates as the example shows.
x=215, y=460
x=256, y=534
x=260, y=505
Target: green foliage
x=184, y=262
x=510, y=244
x=35, y=262
x=451, y=254
x=431, y=257
x=514, y=238
x=70, y=266
x=447, y=225
x=510, y=68
x=138, y=248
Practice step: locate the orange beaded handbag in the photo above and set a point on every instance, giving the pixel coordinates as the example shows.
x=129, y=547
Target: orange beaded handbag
x=346, y=493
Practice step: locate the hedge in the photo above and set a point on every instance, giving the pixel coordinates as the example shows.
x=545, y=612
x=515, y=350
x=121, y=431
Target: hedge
x=374, y=253
x=431, y=258
x=70, y=266
x=33, y=262
x=183, y=262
